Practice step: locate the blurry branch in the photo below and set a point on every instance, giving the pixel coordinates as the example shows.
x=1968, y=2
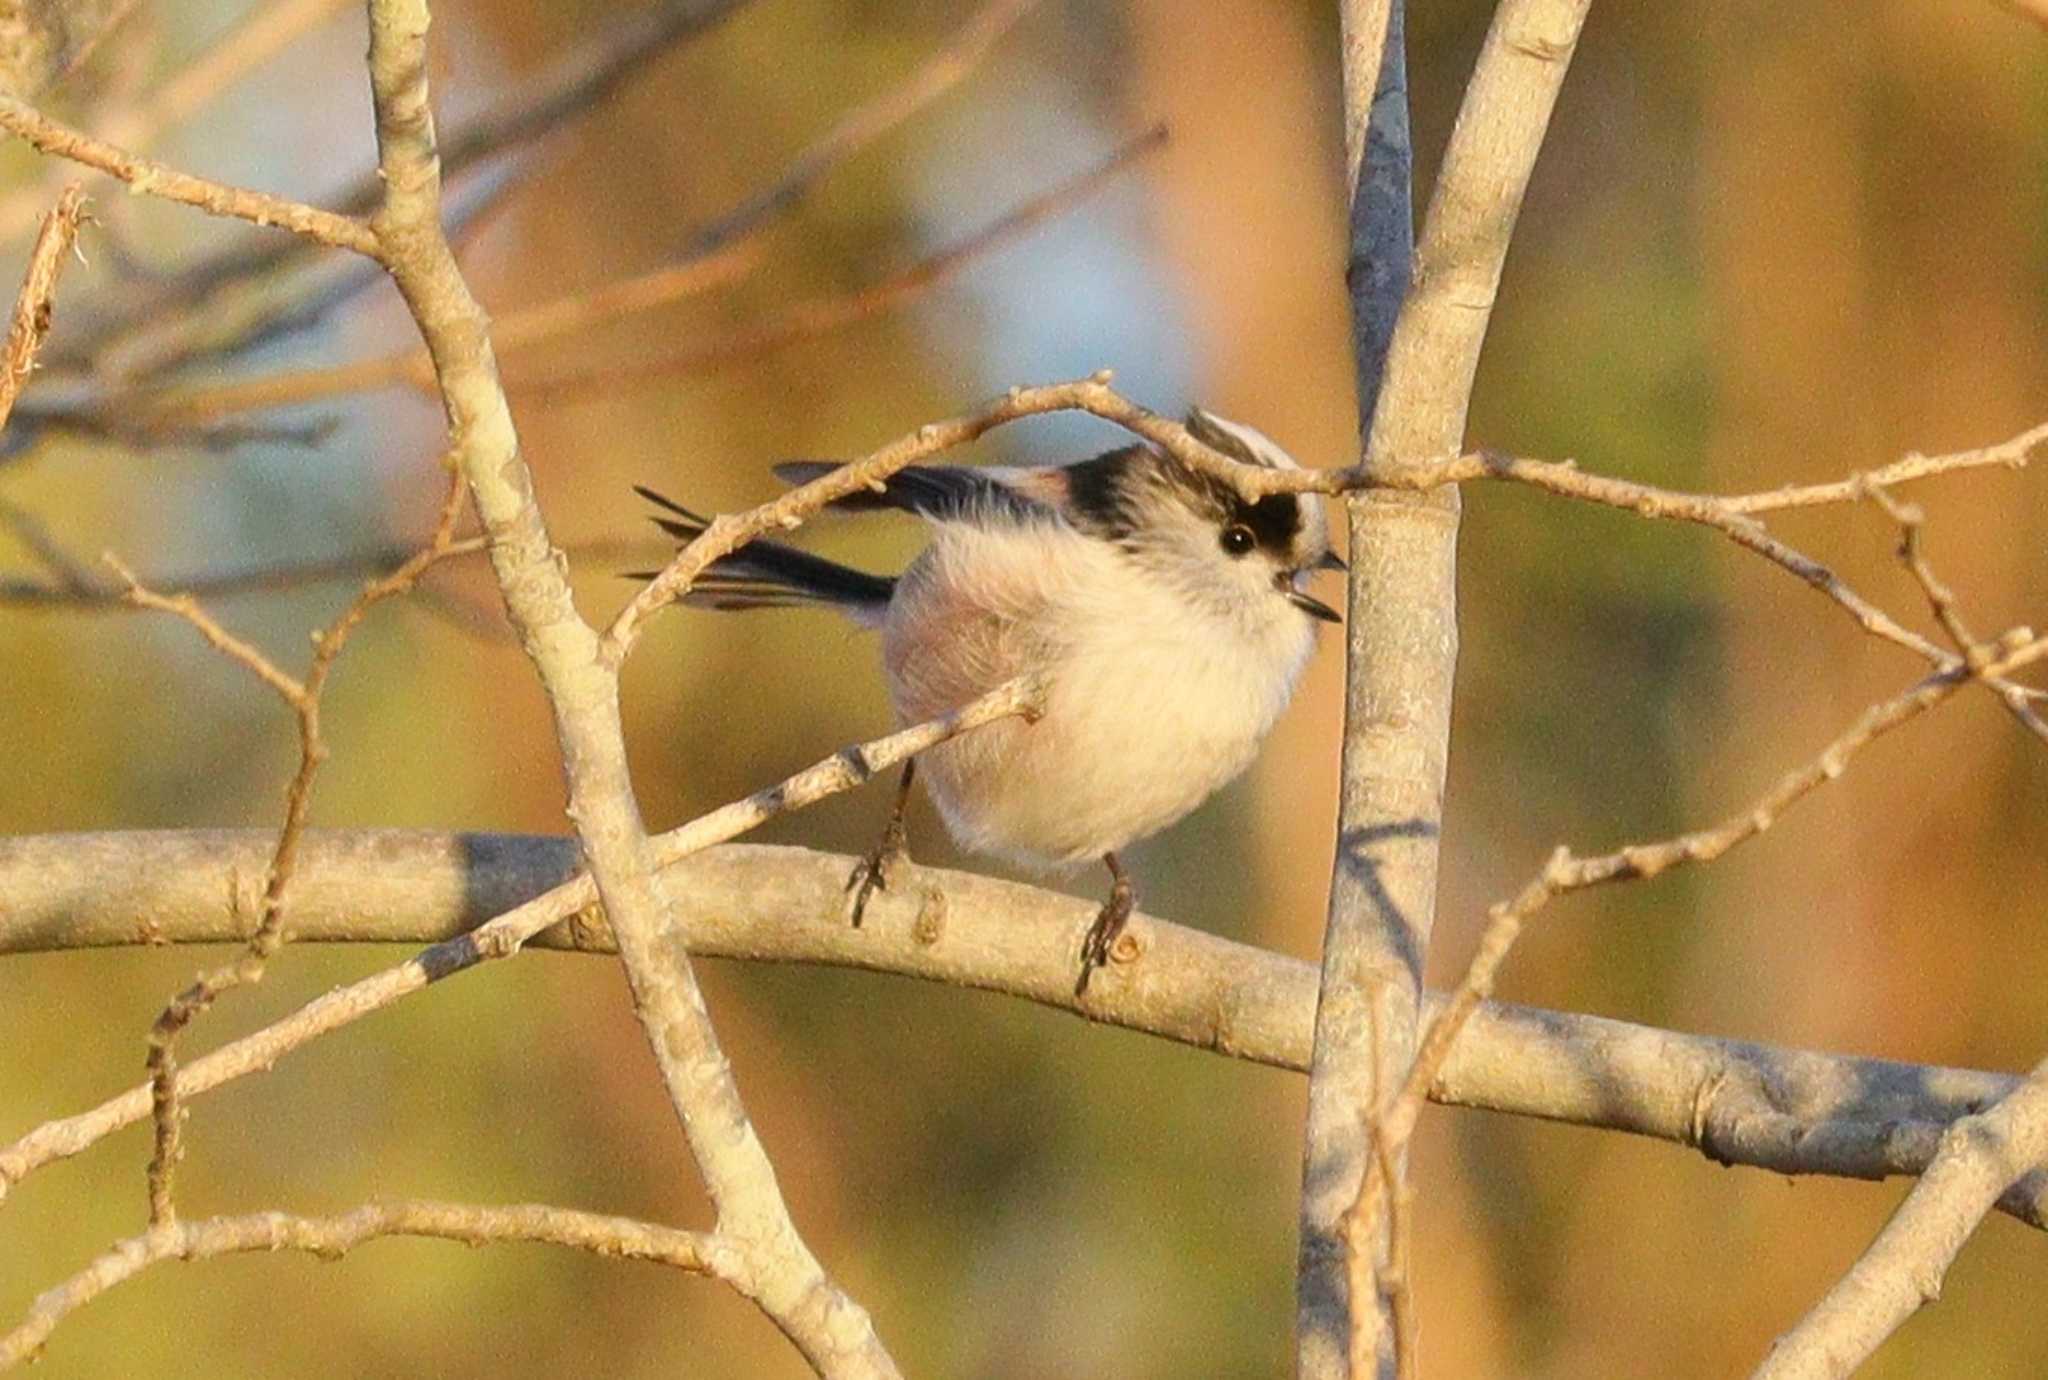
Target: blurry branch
x=302, y=696
x=41, y=41
x=519, y=329
x=144, y=342
x=32, y=307
x=1980, y=1158
x=75, y=588
x=71, y=582
x=260, y=36
x=811, y=320
x=1786, y=1111
x=699, y=267
x=532, y=897
x=1566, y=873
x=332, y=1237
x=865, y=123
x=23, y=120
x=569, y=87
x=245, y=291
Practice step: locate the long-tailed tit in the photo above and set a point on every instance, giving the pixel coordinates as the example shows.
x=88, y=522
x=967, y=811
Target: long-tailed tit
x=1164, y=614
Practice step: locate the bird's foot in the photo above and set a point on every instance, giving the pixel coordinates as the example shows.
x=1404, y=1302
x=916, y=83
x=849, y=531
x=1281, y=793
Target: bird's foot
x=875, y=872
x=1100, y=941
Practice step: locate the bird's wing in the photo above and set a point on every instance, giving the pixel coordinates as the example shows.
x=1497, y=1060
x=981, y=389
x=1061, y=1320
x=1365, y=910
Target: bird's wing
x=943, y=493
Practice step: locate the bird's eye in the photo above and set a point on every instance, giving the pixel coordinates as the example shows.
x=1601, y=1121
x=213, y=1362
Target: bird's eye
x=1238, y=539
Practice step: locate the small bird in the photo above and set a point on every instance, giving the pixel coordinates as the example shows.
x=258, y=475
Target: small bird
x=1164, y=614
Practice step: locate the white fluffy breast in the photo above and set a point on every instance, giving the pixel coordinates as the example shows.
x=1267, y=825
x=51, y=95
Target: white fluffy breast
x=1152, y=701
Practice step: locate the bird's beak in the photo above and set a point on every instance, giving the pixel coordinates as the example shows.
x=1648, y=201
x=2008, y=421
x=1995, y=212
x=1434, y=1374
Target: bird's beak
x=1313, y=607
x=1331, y=561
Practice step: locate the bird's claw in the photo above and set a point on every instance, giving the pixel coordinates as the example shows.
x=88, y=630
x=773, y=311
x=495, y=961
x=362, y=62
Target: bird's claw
x=872, y=873
x=1101, y=938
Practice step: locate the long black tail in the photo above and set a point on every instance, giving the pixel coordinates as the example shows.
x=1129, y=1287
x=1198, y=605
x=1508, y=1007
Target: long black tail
x=768, y=575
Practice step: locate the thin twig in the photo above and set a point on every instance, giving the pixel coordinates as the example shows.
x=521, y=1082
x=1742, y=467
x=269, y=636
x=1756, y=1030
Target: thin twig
x=1565, y=873
x=1941, y=602
x=253, y=41
x=32, y=307
x=303, y=698
x=2012, y=454
x=332, y=1237
x=59, y=140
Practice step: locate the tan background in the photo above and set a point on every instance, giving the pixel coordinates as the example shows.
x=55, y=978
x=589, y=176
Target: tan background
x=1765, y=244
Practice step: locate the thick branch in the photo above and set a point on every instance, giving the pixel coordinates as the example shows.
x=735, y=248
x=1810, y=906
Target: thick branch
x=1980, y=1158
x=1402, y=638
x=832, y=1330
x=1787, y=1111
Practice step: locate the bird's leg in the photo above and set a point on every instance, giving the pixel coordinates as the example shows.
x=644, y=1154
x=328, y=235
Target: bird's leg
x=1109, y=923
x=871, y=874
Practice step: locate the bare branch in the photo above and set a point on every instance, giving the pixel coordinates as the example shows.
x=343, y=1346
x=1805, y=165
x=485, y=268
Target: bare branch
x=834, y=1332
x=23, y=120
x=1401, y=640
x=2012, y=454
x=303, y=698
x=32, y=307
x=1786, y=1111
x=1981, y=1157
x=260, y=36
x=184, y=606
x=1565, y=873
x=504, y=935
x=1941, y=602
x=332, y=1237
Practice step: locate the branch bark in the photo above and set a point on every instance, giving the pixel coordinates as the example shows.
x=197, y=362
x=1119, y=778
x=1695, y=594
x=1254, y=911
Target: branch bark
x=832, y=1330
x=332, y=1237
x=1402, y=645
x=1980, y=1158
x=1785, y=1111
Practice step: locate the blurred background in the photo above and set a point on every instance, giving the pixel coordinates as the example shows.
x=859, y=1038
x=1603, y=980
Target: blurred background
x=1765, y=244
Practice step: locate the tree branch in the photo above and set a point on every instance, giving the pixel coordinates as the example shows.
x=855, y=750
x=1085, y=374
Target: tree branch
x=1401, y=637
x=522, y=905
x=52, y=137
x=32, y=306
x=832, y=1331
x=1980, y=1159
x=1785, y=1111
x=332, y=1237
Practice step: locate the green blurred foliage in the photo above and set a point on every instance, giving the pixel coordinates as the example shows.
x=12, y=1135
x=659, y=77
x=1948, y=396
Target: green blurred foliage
x=1761, y=247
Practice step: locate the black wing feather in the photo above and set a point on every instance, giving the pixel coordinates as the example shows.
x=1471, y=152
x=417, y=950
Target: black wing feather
x=941, y=492
x=766, y=574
